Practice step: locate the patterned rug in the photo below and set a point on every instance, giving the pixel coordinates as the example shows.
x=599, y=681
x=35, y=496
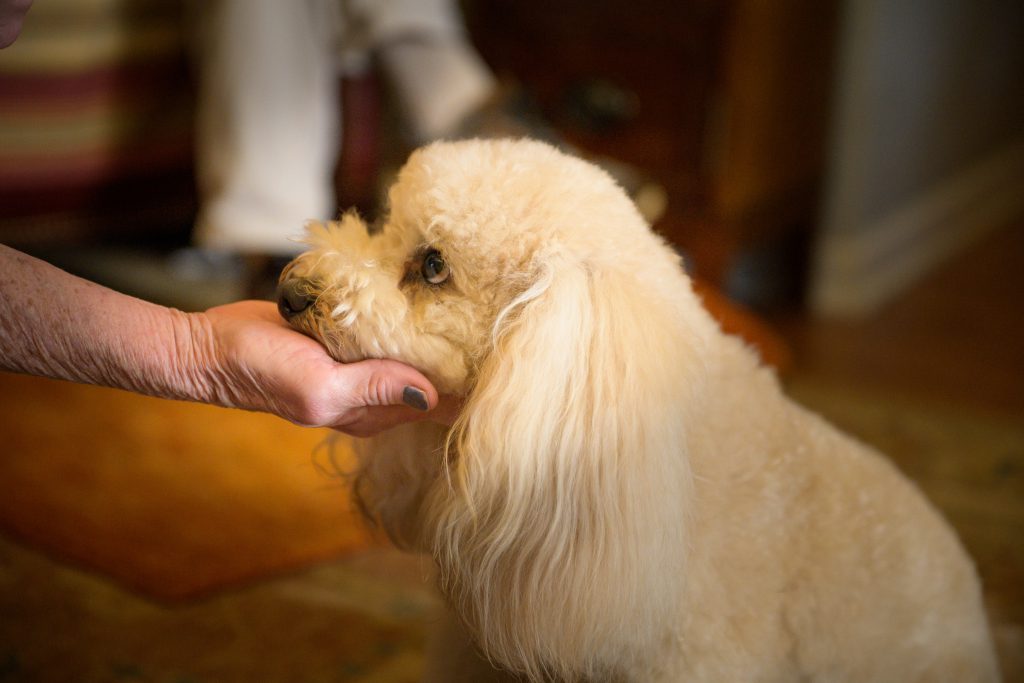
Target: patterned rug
x=173, y=499
x=362, y=620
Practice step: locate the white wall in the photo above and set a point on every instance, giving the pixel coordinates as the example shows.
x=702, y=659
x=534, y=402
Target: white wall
x=927, y=147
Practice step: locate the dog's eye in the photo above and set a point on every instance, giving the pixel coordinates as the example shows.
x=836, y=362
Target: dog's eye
x=434, y=269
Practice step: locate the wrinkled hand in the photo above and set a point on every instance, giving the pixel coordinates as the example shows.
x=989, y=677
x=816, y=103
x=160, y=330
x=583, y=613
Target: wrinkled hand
x=260, y=363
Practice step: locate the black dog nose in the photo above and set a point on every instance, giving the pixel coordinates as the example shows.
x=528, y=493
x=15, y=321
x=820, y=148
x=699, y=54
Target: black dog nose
x=294, y=295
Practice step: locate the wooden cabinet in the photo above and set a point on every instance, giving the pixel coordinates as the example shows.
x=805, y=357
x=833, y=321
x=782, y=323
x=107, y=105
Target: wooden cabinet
x=731, y=102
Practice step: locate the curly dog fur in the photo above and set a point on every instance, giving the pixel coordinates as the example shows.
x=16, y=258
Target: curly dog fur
x=627, y=495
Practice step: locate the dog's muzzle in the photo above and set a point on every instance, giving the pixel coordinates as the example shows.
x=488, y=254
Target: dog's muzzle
x=294, y=296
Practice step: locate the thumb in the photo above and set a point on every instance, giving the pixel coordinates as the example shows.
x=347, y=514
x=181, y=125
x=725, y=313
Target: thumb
x=388, y=383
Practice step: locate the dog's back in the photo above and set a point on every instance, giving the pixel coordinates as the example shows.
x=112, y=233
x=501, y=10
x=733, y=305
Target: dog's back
x=813, y=556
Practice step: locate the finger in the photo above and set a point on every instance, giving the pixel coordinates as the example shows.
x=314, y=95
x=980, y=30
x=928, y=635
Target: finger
x=372, y=420
x=388, y=383
x=369, y=421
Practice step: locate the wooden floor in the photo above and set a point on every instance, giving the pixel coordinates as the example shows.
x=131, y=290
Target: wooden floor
x=955, y=337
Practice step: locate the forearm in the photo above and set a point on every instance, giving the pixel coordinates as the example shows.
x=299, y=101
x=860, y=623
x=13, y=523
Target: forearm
x=57, y=325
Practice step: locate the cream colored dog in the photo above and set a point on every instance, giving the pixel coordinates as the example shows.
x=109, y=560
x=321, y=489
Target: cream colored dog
x=627, y=495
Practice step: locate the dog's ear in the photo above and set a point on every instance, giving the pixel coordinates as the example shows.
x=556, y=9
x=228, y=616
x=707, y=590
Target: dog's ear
x=561, y=534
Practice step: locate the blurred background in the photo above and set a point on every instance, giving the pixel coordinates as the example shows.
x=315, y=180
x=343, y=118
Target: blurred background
x=844, y=179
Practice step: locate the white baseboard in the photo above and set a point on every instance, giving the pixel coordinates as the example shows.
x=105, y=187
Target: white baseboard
x=861, y=269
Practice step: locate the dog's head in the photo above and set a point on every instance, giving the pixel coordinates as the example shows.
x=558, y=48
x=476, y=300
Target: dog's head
x=526, y=280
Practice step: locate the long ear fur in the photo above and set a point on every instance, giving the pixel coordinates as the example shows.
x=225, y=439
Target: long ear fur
x=561, y=536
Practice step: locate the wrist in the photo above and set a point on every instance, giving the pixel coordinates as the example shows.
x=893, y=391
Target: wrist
x=208, y=367
x=196, y=367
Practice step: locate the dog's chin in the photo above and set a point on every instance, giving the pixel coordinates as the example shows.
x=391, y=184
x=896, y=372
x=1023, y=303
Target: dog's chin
x=451, y=376
x=339, y=346
x=345, y=350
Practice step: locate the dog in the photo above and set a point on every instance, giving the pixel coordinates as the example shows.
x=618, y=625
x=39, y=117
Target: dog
x=626, y=494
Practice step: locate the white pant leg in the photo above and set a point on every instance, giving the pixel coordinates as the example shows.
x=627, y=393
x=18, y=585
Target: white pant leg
x=387, y=19
x=268, y=121
x=438, y=76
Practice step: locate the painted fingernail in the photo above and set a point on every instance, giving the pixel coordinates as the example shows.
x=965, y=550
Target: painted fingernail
x=415, y=398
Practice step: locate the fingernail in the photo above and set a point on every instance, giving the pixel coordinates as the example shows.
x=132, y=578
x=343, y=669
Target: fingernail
x=415, y=398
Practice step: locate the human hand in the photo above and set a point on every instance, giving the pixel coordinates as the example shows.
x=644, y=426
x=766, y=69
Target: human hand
x=254, y=360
